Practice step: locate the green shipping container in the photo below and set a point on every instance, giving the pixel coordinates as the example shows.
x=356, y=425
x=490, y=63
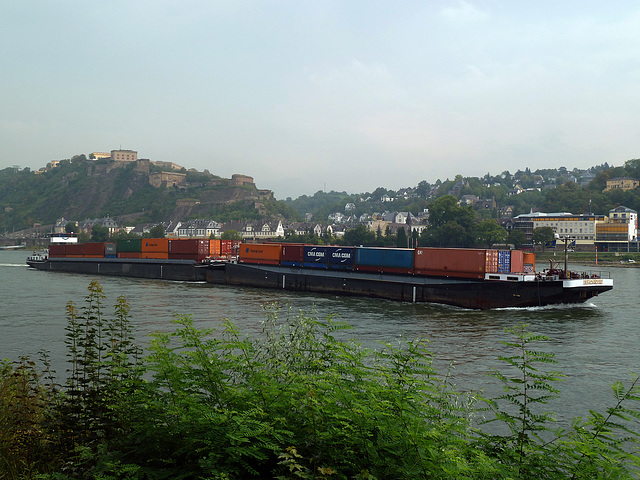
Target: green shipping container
x=130, y=245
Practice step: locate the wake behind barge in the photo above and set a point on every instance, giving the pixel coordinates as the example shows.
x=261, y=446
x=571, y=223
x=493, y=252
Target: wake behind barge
x=467, y=278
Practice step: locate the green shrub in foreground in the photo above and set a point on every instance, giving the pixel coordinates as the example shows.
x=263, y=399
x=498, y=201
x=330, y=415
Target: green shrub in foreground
x=295, y=401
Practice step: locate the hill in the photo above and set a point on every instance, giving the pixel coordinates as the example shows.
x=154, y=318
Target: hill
x=507, y=195
x=144, y=192
x=139, y=191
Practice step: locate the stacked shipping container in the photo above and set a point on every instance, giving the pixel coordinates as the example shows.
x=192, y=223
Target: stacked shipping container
x=260, y=253
x=154, y=248
x=442, y=262
x=292, y=255
x=83, y=250
x=223, y=249
x=384, y=260
x=458, y=262
x=188, y=249
x=130, y=248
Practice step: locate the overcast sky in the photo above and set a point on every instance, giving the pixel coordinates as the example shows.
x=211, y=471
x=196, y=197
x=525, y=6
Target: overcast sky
x=323, y=95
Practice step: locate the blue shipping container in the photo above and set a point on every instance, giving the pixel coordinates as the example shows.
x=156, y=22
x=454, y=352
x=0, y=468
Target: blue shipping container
x=315, y=256
x=341, y=257
x=504, y=261
x=398, y=258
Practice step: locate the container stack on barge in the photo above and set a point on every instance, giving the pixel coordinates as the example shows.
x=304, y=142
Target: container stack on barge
x=468, y=278
x=158, y=258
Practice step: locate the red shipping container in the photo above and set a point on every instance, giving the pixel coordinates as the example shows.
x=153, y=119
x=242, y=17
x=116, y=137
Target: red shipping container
x=154, y=245
x=451, y=262
x=93, y=249
x=157, y=255
x=229, y=247
x=517, y=261
x=293, y=253
x=188, y=256
x=74, y=249
x=129, y=255
x=192, y=246
x=261, y=253
x=57, y=250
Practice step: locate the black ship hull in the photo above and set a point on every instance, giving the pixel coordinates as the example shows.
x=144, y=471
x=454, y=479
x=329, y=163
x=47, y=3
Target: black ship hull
x=507, y=291
x=182, y=270
x=501, y=292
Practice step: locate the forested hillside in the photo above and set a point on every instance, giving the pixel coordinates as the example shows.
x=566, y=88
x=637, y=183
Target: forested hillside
x=79, y=188
x=549, y=190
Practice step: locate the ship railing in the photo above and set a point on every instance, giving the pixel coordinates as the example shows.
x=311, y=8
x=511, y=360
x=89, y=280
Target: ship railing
x=555, y=274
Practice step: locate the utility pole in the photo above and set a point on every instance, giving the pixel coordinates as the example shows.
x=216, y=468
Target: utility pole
x=566, y=254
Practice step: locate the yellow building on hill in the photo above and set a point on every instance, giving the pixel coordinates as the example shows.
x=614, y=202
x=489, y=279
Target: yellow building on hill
x=622, y=183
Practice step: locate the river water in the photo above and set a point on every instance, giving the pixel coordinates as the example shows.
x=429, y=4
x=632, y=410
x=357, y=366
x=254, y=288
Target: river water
x=595, y=344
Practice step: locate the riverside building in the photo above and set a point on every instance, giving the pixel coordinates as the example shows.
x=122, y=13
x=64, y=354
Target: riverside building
x=580, y=230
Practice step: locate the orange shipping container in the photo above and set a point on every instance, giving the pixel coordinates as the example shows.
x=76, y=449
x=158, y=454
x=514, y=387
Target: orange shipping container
x=262, y=253
x=451, y=262
x=492, y=261
x=529, y=262
x=154, y=245
x=215, y=247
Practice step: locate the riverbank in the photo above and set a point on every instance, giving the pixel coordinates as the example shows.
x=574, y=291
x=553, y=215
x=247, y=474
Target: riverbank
x=604, y=259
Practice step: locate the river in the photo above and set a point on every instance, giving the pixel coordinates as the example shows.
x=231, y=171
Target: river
x=595, y=343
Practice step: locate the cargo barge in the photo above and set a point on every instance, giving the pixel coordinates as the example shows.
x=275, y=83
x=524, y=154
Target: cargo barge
x=468, y=278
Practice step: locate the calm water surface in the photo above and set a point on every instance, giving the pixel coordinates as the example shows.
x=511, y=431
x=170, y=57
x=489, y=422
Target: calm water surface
x=595, y=344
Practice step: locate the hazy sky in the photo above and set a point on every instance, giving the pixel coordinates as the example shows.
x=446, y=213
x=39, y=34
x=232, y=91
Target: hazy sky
x=309, y=95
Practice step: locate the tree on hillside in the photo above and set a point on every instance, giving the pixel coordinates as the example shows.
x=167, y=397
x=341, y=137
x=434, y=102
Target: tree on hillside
x=517, y=237
x=157, y=231
x=401, y=238
x=124, y=235
x=488, y=232
x=543, y=236
x=99, y=234
x=569, y=197
x=450, y=224
x=423, y=188
x=633, y=168
x=71, y=227
x=231, y=235
x=451, y=234
x=360, y=235
x=446, y=209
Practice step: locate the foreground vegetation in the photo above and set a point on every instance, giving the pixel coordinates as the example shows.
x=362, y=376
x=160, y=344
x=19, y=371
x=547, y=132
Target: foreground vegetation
x=293, y=402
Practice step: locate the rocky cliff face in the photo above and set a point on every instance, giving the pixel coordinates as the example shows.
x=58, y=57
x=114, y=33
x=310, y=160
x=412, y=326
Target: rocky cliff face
x=81, y=189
